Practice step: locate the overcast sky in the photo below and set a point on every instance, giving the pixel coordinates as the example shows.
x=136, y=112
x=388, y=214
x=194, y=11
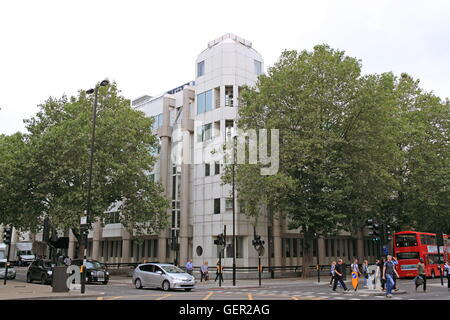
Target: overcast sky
x=48, y=48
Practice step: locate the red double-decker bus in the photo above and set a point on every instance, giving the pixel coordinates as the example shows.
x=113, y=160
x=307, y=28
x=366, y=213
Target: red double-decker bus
x=409, y=246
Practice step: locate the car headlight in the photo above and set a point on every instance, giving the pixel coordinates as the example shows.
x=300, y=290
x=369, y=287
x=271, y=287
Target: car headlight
x=107, y=273
x=49, y=272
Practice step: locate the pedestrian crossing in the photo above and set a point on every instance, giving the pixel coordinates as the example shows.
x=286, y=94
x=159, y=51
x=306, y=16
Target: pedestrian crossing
x=296, y=295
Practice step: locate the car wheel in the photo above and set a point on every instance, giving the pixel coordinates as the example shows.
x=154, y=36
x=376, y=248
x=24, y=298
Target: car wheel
x=138, y=284
x=29, y=280
x=166, y=285
x=43, y=279
x=105, y=282
x=187, y=290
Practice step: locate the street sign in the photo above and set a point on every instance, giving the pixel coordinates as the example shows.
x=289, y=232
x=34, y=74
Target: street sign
x=385, y=250
x=84, y=220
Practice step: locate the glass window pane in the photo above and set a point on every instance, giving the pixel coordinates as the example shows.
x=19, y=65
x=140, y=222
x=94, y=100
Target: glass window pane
x=208, y=100
x=200, y=103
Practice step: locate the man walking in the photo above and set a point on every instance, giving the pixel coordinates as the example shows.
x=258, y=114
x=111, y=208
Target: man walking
x=338, y=273
x=422, y=274
x=204, y=271
x=388, y=275
x=189, y=267
x=447, y=272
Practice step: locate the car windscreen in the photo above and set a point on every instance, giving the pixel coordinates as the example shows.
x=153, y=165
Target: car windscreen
x=2, y=255
x=47, y=264
x=93, y=265
x=172, y=269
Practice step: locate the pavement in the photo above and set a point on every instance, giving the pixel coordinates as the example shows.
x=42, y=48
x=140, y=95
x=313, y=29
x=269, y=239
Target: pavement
x=15, y=290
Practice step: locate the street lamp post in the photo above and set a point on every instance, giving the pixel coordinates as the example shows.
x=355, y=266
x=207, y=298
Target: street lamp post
x=234, y=212
x=91, y=158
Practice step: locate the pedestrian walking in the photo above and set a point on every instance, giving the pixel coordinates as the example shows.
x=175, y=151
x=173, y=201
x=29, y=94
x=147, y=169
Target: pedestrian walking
x=219, y=272
x=447, y=273
x=67, y=261
x=355, y=274
x=339, y=273
x=380, y=264
x=395, y=262
x=421, y=278
x=388, y=275
x=332, y=268
x=204, y=272
x=189, y=267
x=365, y=271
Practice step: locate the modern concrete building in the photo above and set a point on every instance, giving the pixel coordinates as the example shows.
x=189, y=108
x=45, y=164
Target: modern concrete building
x=191, y=121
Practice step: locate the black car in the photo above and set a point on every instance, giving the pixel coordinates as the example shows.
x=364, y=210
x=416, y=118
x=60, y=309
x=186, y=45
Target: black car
x=40, y=270
x=96, y=271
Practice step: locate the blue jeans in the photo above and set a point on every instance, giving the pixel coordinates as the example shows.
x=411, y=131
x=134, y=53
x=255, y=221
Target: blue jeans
x=389, y=284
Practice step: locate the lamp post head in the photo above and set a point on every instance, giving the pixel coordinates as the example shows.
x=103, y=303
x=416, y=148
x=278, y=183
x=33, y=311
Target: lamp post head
x=90, y=91
x=104, y=83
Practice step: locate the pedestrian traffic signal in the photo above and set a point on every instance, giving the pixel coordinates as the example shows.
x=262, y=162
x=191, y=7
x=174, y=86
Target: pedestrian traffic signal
x=7, y=235
x=258, y=244
x=220, y=241
x=388, y=232
x=374, y=229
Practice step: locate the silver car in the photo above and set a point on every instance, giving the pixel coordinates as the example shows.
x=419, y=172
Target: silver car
x=165, y=276
x=11, y=271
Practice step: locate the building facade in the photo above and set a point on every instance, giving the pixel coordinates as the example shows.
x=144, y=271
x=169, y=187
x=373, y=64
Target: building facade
x=192, y=121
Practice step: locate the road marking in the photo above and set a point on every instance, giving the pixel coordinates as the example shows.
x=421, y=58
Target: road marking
x=208, y=295
x=250, y=297
x=163, y=297
x=99, y=298
x=295, y=298
x=114, y=298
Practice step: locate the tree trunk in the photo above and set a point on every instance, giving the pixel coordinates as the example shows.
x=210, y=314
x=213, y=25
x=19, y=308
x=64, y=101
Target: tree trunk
x=308, y=238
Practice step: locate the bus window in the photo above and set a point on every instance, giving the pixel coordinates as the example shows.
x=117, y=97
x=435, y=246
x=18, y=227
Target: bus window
x=407, y=255
x=406, y=240
x=427, y=239
x=433, y=259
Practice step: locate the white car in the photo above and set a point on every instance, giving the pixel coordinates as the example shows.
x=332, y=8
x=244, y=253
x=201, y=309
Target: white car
x=165, y=276
x=11, y=271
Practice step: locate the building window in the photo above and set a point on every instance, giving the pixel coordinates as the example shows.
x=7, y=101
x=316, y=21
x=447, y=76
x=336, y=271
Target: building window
x=207, y=169
x=113, y=217
x=242, y=206
x=201, y=68
x=204, y=132
x=216, y=206
x=228, y=203
x=229, y=128
x=295, y=247
x=204, y=102
x=216, y=167
x=258, y=67
x=157, y=121
x=228, y=96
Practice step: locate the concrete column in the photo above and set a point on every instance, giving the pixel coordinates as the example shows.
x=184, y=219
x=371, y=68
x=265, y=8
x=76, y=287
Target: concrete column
x=164, y=158
x=277, y=241
x=126, y=236
x=188, y=96
x=360, y=245
x=96, y=240
x=235, y=95
x=222, y=96
x=321, y=248
x=72, y=245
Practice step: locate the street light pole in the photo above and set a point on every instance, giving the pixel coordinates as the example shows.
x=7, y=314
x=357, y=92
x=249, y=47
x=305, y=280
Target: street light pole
x=91, y=159
x=234, y=212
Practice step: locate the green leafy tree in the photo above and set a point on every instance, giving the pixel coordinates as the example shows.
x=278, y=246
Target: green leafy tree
x=59, y=147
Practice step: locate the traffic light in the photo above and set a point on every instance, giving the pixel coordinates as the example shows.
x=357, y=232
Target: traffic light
x=374, y=229
x=220, y=241
x=7, y=235
x=258, y=244
x=388, y=232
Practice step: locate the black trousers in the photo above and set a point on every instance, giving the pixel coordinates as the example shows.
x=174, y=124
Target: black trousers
x=339, y=279
x=424, y=277
x=448, y=281
x=219, y=275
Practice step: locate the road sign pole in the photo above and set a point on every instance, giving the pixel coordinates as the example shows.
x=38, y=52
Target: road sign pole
x=259, y=269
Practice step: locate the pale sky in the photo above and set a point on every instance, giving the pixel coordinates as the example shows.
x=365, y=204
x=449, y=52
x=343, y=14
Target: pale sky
x=51, y=47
